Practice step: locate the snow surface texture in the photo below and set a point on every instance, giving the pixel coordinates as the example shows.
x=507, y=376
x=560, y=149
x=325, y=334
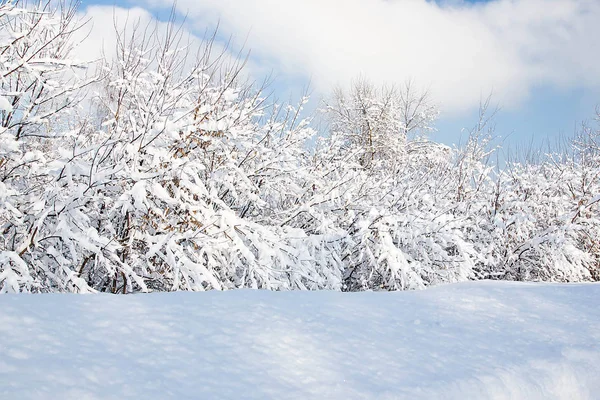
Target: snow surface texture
x=465, y=341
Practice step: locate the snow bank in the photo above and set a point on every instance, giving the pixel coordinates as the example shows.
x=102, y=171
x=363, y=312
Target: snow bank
x=467, y=341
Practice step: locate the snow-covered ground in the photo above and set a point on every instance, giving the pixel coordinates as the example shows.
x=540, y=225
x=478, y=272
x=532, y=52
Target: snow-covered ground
x=467, y=341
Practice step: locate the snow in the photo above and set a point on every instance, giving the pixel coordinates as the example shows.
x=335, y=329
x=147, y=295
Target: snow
x=5, y=105
x=484, y=340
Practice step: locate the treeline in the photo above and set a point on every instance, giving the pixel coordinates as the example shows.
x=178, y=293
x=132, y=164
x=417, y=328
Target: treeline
x=159, y=169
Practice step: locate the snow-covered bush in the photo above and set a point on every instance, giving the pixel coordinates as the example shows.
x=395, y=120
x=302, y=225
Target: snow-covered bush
x=174, y=174
x=39, y=88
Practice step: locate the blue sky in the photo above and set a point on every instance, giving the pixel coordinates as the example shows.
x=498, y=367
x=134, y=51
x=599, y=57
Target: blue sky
x=538, y=57
x=547, y=115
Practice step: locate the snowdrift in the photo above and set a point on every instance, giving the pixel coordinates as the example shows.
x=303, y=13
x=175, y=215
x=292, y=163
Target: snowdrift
x=479, y=340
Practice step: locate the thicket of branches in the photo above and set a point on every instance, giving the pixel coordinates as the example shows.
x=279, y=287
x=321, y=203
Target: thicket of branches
x=161, y=170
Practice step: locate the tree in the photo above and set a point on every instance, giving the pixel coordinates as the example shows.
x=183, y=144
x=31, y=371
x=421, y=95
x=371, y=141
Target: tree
x=40, y=87
x=378, y=121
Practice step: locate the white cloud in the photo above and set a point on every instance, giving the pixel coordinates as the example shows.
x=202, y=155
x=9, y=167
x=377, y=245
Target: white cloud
x=461, y=51
x=99, y=37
